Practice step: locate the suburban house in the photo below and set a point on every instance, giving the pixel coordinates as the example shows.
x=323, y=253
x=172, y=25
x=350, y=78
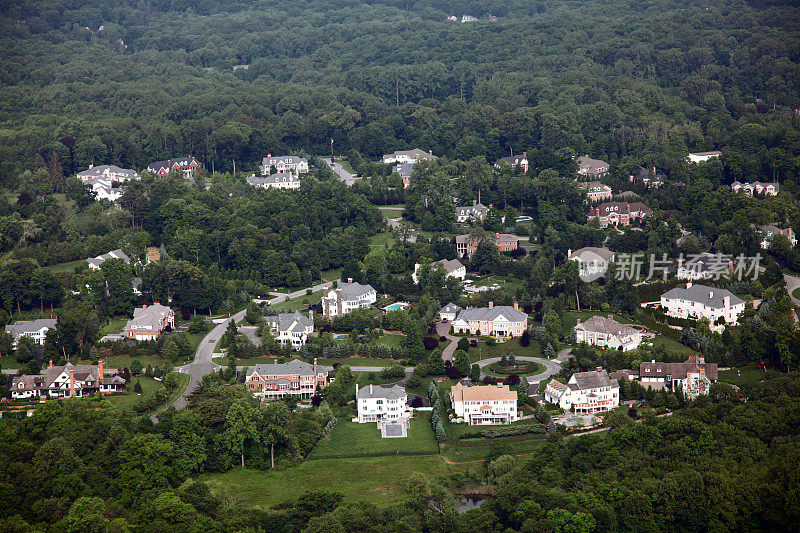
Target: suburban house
x=279, y=180
x=95, y=262
x=618, y=213
x=703, y=267
x=35, y=329
x=104, y=189
x=452, y=267
x=286, y=163
x=700, y=157
x=591, y=168
x=585, y=392
x=148, y=322
x=769, y=232
x=500, y=321
x=66, y=381
x=468, y=244
x=757, y=187
x=592, y=262
x=473, y=212
x=110, y=172
x=513, y=161
x=291, y=328
x=595, y=191
x=346, y=297
x=449, y=312
x=296, y=378
x=484, y=404
x=694, y=376
x=701, y=301
x=607, y=333
x=407, y=156
x=186, y=165
x=405, y=170
x=649, y=177
x=381, y=403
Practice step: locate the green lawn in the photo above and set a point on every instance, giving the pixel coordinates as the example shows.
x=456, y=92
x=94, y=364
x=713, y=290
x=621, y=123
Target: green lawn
x=745, y=375
x=392, y=213
x=390, y=339
x=378, y=480
x=10, y=362
x=506, y=348
x=347, y=166
x=506, y=283
x=674, y=346
x=332, y=275
x=350, y=439
x=115, y=325
x=535, y=368
x=66, y=267
x=183, y=382
x=129, y=399
x=301, y=302
x=377, y=362
x=124, y=361
x=246, y=362
x=796, y=293
x=382, y=239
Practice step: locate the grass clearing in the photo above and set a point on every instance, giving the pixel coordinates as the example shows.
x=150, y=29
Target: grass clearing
x=8, y=361
x=351, y=439
x=129, y=399
x=115, y=325
x=382, y=239
x=378, y=480
x=124, y=361
x=796, y=293
x=484, y=351
x=742, y=376
x=392, y=213
x=301, y=302
x=377, y=362
x=65, y=267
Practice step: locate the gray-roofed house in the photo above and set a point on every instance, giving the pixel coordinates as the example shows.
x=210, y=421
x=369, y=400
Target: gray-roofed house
x=585, y=392
x=769, y=232
x=704, y=266
x=595, y=191
x=346, y=297
x=272, y=381
x=700, y=157
x=291, y=329
x=453, y=268
x=449, y=312
x=473, y=212
x=66, y=381
x=618, y=213
x=592, y=262
x=513, y=161
x=292, y=164
x=148, y=322
x=35, y=329
x=111, y=172
x=500, y=321
x=95, y=262
x=381, y=403
x=405, y=170
x=694, y=376
x=607, y=333
x=702, y=301
x=279, y=180
x=757, y=187
x=186, y=165
x=407, y=156
x=591, y=168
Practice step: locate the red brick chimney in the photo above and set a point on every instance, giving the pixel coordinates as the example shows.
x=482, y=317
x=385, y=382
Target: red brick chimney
x=491, y=305
x=51, y=362
x=71, y=381
x=101, y=370
x=315, y=375
x=516, y=306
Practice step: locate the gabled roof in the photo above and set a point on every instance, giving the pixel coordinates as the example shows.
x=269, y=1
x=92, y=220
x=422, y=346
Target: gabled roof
x=607, y=325
x=30, y=326
x=113, y=254
x=354, y=290
x=278, y=177
x=415, y=153
x=591, y=380
x=289, y=322
x=114, y=171
x=148, y=318
x=604, y=253
x=388, y=392
x=449, y=265
x=285, y=159
x=477, y=393
x=450, y=308
x=512, y=160
x=169, y=164
x=591, y=166
x=708, y=296
x=470, y=210
x=606, y=208
x=678, y=370
x=293, y=367
x=404, y=169
x=490, y=314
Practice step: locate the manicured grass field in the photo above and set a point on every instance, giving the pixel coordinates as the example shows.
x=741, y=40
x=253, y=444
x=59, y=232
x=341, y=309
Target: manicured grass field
x=377, y=362
x=502, y=282
x=381, y=239
x=378, y=480
x=129, y=399
x=392, y=213
x=124, y=361
x=301, y=302
x=745, y=375
x=351, y=439
x=483, y=351
x=390, y=339
x=115, y=325
x=66, y=267
x=796, y=293
x=10, y=362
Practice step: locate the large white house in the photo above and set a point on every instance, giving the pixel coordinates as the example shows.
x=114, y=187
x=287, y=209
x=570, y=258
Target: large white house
x=484, y=404
x=285, y=163
x=701, y=301
x=346, y=297
x=381, y=403
x=449, y=312
x=694, y=376
x=279, y=180
x=501, y=321
x=585, y=392
x=407, y=156
x=592, y=262
x=95, y=262
x=473, y=212
x=607, y=333
x=291, y=328
x=109, y=172
x=757, y=187
x=701, y=157
x=35, y=329
x=452, y=267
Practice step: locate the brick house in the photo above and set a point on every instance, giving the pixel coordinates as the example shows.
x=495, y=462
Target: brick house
x=187, y=166
x=595, y=191
x=591, y=168
x=694, y=376
x=618, y=213
x=296, y=378
x=148, y=322
x=468, y=244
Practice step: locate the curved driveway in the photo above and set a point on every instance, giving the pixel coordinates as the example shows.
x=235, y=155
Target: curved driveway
x=792, y=284
x=551, y=367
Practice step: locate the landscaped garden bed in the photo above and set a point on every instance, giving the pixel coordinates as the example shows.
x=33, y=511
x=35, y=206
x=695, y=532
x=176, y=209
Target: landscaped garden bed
x=520, y=368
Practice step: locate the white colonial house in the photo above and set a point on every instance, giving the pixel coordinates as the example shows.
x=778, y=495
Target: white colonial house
x=757, y=187
x=592, y=262
x=514, y=161
x=109, y=172
x=286, y=163
x=452, y=267
x=585, y=392
x=346, y=297
x=701, y=301
x=381, y=403
x=607, y=333
x=148, y=322
x=500, y=321
x=484, y=404
x=279, y=180
x=104, y=189
x=35, y=329
x=449, y=312
x=694, y=376
x=407, y=156
x=471, y=213
x=701, y=157
x=291, y=329
x=95, y=262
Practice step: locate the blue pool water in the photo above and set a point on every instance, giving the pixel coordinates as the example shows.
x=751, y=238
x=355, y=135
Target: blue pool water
x=396, y=306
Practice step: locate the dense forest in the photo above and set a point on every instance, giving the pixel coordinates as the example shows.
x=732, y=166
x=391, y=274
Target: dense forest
x=625, y=81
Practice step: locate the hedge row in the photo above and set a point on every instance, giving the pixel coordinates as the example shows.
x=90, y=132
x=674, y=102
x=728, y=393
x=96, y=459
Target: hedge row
x=506, y=431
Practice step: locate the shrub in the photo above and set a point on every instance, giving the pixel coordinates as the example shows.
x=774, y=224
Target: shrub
x=464, y=344
x=430, y=343
x=473, y=343
x=415, y=402
x=491, y=341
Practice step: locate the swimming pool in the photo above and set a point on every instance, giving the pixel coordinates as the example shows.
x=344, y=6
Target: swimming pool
x=395, y=306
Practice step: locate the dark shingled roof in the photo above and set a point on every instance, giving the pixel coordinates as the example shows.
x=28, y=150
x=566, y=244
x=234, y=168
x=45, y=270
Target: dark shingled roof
x=708, y=296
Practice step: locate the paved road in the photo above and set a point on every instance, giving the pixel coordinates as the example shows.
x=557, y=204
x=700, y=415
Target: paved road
x=792, y=284
x=344, y=176
x=203, y=364
x=443, y=328
x=551, y=367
